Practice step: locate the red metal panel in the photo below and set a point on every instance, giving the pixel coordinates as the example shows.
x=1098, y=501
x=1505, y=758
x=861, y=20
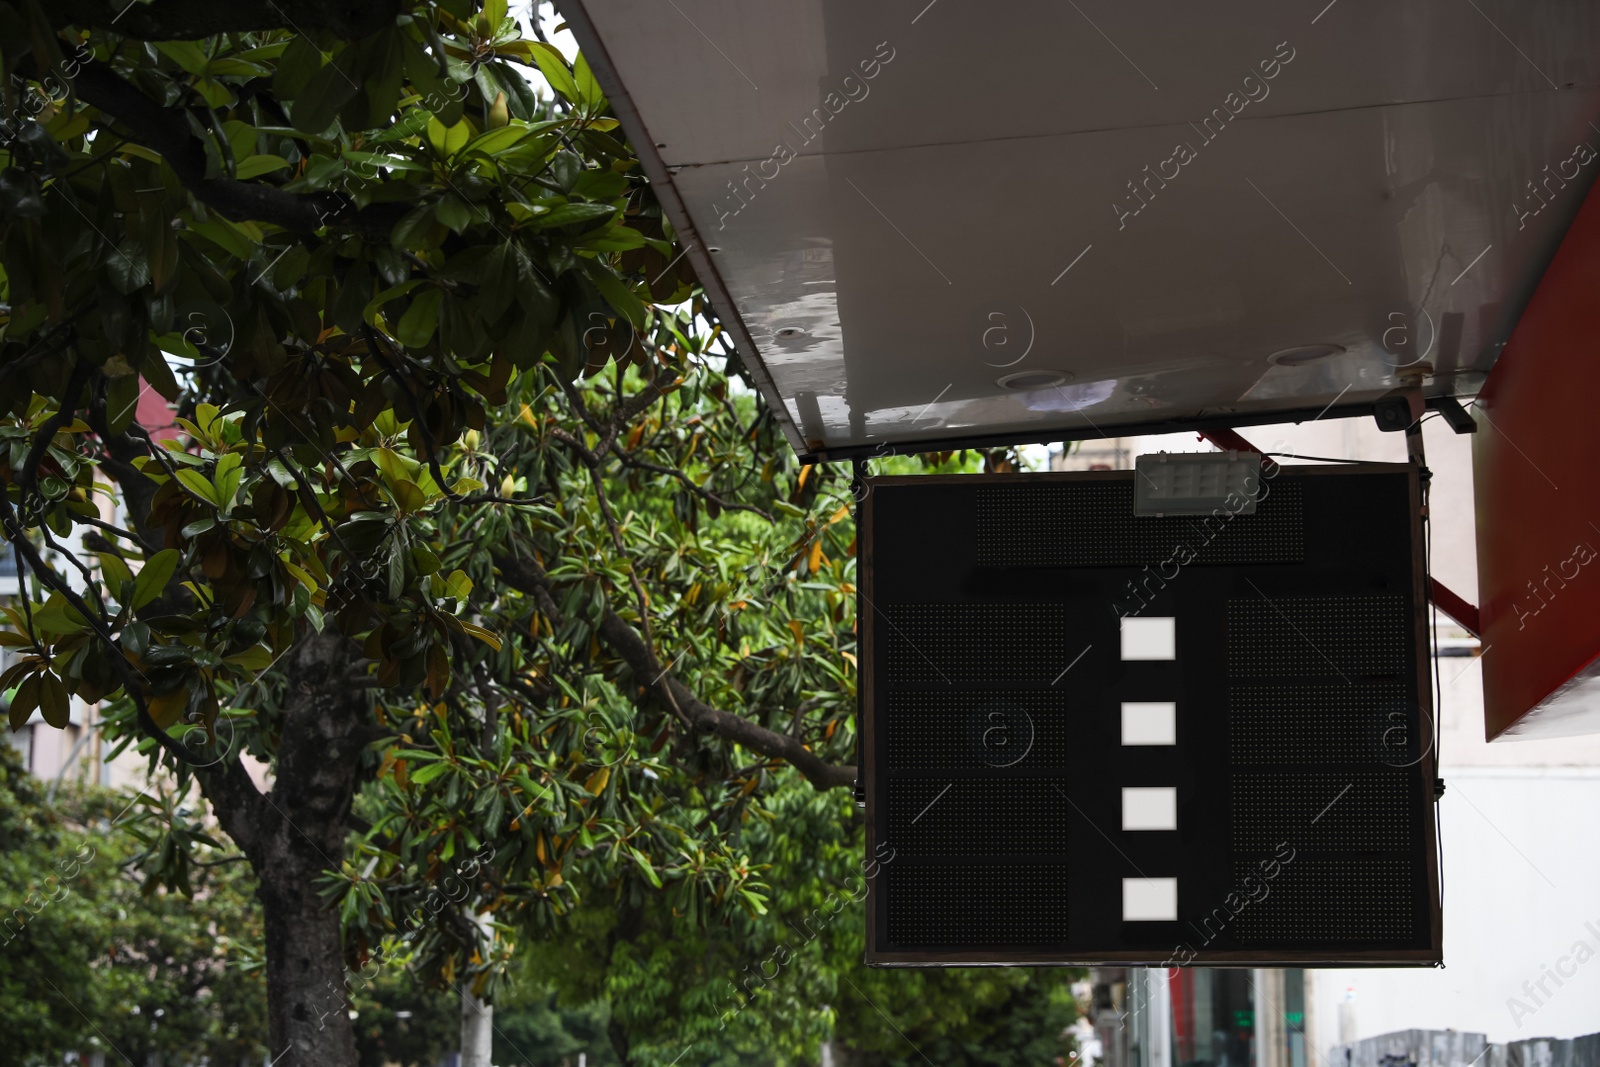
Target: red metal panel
x=1455, y=605
x=1537, y=483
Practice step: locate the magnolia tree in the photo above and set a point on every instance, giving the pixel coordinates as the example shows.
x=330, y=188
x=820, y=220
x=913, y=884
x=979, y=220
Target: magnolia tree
x=469, y=530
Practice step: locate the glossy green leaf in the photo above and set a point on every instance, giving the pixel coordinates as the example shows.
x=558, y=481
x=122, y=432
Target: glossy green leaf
x=151, y=581
x=554, y=68
x=256, y=166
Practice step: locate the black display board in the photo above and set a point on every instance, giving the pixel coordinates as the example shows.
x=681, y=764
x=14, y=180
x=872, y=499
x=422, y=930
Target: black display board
x=1001, y=723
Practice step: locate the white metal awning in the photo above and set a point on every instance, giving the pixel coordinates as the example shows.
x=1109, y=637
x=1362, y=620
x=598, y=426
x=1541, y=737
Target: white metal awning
x=942, y=222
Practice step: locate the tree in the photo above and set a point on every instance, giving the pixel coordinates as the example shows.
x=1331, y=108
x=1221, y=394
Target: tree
x=399, y=1020
x=465, y=535
x=535, y=1029
x=770, y=988
x=92, y=960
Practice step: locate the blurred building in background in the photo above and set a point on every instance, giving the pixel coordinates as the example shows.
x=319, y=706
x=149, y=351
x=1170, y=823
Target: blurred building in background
x=1145, y=1017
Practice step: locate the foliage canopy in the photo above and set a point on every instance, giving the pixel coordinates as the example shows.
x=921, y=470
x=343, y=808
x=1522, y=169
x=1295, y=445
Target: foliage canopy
x=468, y=524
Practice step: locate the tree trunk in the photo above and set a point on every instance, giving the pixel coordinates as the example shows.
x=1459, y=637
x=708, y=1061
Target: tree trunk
x=297, y=830
x=307, y=1005
x=618, y=1037
x=477, y=1030
x=477, y=1016
x=293, y=834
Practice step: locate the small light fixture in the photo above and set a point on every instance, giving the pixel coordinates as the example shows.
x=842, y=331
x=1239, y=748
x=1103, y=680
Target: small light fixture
x=1033, y=379
x=1300, y=355
x=1196, y=483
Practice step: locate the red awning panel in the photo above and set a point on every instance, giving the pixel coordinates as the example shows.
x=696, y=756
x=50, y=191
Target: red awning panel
x=1536, y=470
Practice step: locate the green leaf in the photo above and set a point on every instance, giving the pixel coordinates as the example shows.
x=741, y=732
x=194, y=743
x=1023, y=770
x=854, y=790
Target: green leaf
x=55, y=704
x=554, y=67
x=383, y=69
x=366, y=162
x=488, y=637
x=187, y=54
x=618, y=295
x=416, y=326
x=127, y=268
x=395, y=470
x=24, y=701
x=224, y=235
x=281, y=475
x=409, y=497
x=423, y=559
x=232, y=66
x=492, y=142
x=58, y=617
x=454, y=212
x=566, y=214
x=228, y=477
x=590, y=98
x=644, y=865
x=448, y=140
x=328, y=90
x=600, y=183
x=616, y=239
x=158, y=374
x=115, y=570
x=199, y=485
x=370, y=313
x=427, y=774
x=213, y=92
x=256, y=166
x=458, y=585
x=153, y=576
x=255, y=658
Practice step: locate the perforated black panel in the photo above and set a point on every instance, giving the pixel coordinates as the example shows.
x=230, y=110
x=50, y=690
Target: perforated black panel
x=951, y=730
x=995, y=695
x=962, y=904
x=1343, y=811
x=1362, y=722
x=946, y=644
x=1344, y=636
x=987, y=816
x=1344, y=900
x=1092, y=524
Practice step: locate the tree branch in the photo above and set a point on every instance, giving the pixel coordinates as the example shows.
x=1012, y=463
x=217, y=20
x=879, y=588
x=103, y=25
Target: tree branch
x=629, y=460
x=525, y=575
x=236, y=800
x=164, y=131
